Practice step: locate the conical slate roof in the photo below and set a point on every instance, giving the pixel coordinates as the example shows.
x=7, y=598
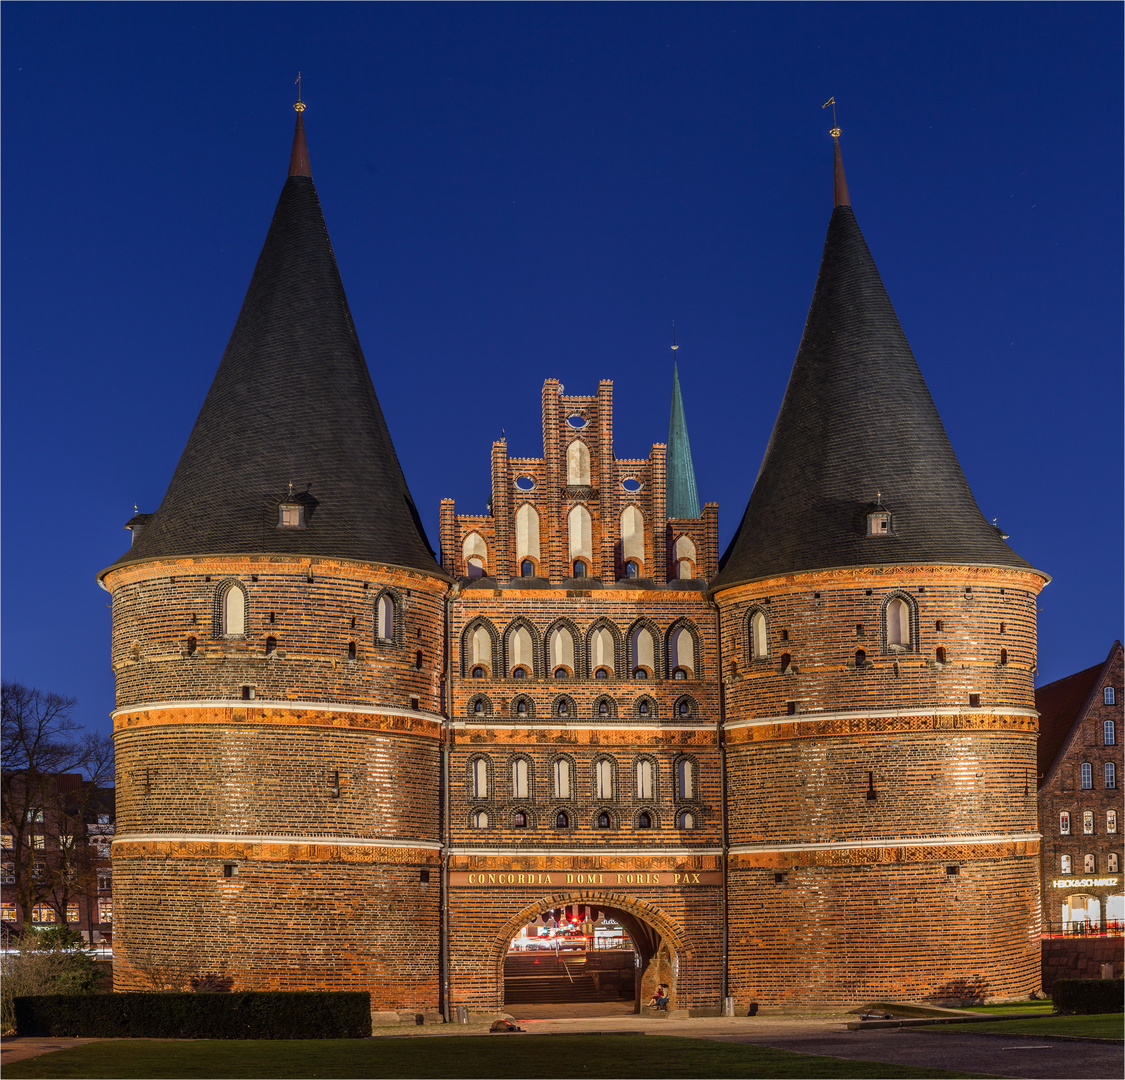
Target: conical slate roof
x=857, y=426
x=683, y=501
x=291, y=403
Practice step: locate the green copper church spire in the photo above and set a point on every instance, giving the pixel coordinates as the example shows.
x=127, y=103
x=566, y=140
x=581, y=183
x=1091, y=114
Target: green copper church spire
x=683, y=501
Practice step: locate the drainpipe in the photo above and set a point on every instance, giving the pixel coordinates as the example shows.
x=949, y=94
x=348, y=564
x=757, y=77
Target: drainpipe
x=725, y=982
x=446, y=811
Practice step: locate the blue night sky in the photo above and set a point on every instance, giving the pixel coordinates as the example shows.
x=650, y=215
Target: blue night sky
x=516, y=192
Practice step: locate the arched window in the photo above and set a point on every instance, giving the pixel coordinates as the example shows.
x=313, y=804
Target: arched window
x=939, y=655
x=475, y=553
x=601, y=673
x=860, y=658
x=577, y=464
x=686, y=778
x=560, y=650
x=632, y=538
x=385, y=618
x=644, y=820
x=681, y=652
x=192, y=645
x=759, y=638
x=604, y=820
x=519, y=820
x=519, y=673
x=898, y=617
x=642, y=707
x=683, y=709
x=480, y=651
x=1110, y=775
x=527, y=535
x=1111, y=862
x=603, y=779
x=234, y=611
x=631, y=569
x=478, y=707
x=1064, y=822
x=1065, y=865
x=1087, y=775
x=786, y=661
x=601, y=651
x=478, y=777
x=687, y=820
x=561, y=673
x=521, y=707
x=1089, y=864
x=562, y=707
x=578, y=532
x=520, y=781
x=562, y=820
x=1109, y=697
x=684, y=556
x=603, y=708
x=642, y=652
x=480, y=819
x=644, y=779
x=521, y=651
x=1003, y=657
x=527, y=568
x=1109, y=733
x=561, y=776
x=580, y=569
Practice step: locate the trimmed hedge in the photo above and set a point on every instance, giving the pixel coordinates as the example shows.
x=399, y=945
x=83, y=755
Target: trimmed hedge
x=1088, y=995
x=250, y=1015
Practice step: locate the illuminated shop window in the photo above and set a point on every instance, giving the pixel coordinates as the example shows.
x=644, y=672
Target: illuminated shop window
x=8, y=912
x=41, y=913
x=1089, y=864
x=1087, y=822
x=1064, y=823
x=8, y=873
x=1065, y=865
x=1111, y=862
x=1111, y=821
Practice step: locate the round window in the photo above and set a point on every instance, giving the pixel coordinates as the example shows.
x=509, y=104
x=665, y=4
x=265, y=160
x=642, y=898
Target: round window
x=631, y=484
x=576, y=421
x=525, y=483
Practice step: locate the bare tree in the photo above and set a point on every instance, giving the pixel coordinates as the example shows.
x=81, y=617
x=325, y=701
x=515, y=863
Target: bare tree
x=49, y=791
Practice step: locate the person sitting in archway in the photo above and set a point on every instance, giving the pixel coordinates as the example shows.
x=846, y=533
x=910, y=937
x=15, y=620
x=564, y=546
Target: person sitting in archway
x=660, y=998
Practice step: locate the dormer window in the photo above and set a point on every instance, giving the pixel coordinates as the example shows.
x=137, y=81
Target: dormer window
x=879, y=523
x=290, y=516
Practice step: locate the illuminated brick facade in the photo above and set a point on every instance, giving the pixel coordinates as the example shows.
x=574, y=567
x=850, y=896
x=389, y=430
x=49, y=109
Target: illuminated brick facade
x=801, y=772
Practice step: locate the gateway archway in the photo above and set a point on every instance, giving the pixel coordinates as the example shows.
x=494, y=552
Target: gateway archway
x=567, y=949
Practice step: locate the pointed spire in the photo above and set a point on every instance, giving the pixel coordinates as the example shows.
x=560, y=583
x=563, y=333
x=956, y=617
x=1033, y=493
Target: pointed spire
x=683, y=501
x=291, y=416
x=839, y=181
x=299, y=158
x=857, y=424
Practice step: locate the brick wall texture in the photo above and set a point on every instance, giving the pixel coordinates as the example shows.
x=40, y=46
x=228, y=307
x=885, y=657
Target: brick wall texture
x=290, y=797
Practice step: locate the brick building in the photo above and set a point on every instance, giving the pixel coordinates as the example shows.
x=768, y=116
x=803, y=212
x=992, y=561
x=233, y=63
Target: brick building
x=798, y=772
x=1080, y=768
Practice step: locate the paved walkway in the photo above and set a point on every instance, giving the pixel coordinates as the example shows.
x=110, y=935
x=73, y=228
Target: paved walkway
x=16, y=1049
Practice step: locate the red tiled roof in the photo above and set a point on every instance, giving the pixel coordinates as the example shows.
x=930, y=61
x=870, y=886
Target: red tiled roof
x=1059, y=704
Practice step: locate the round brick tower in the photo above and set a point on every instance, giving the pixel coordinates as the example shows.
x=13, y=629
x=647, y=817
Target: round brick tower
x=278, y=649
x=878, y=644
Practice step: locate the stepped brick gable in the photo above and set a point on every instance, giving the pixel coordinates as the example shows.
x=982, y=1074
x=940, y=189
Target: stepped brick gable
x=802, y=773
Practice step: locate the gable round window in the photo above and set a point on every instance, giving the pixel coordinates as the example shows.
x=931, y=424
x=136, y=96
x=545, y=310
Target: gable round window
x=576, y=421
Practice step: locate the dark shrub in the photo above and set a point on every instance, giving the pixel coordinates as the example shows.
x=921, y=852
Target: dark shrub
x=250, y=1015
x=1088, y=995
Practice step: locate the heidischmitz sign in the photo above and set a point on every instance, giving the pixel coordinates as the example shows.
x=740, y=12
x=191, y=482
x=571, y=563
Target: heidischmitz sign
x=598, y=878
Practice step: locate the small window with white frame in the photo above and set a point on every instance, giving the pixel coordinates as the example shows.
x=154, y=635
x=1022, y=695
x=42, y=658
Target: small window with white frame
x=1086, y=772
x=1109, y=733
x=879, y=523
x=1112, y=863
x=1109, y=696
x=290, y=516
x=1110, y=775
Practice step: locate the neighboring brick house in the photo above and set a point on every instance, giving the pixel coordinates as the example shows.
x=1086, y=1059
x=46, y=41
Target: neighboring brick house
x=798, y=772
x=1080, y=808
x=67, y=848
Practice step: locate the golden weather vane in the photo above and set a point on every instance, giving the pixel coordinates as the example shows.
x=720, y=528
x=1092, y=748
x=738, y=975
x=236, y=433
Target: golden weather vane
x=300, y=105
x=674, y=345
x=835, y=132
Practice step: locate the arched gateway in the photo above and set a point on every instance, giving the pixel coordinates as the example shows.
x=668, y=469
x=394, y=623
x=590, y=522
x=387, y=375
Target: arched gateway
x=663, y=951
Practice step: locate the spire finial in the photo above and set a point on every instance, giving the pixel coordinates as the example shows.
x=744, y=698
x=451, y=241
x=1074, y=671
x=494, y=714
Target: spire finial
x=674, y=345
x=299, y=105
x=839, y=181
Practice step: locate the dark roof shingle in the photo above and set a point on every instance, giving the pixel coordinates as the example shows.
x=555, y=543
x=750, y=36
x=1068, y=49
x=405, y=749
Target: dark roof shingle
x=292, y=402
x=857, y=420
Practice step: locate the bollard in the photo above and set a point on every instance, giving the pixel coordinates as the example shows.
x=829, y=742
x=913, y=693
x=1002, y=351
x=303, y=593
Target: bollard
x=462, y=1014
x=728, y=1006
x=1107, y=971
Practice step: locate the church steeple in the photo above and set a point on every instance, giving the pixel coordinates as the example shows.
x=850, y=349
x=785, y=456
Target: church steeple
x=683, y=500
x=857, y=438
x=291, y=417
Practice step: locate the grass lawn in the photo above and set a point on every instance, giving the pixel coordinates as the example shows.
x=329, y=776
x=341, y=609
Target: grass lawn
x=481, y=1056
x=1047, y=1007
x=1098, y=1026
